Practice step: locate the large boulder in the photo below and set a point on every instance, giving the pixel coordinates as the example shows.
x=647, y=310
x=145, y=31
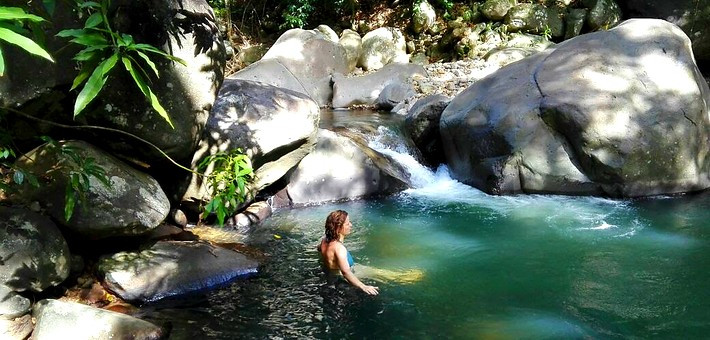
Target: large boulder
x=352, y=43
x=382, y=46
x=33, y=253
x=340, y=168
x=70, y=320
x=171, y=268
x=302, y=61
x=275, y=127
x=497, y=9
x=133, y=204
x=12, y=305
x=691, y=15
x=364, y=90
x=422, y=126
x=621, y=112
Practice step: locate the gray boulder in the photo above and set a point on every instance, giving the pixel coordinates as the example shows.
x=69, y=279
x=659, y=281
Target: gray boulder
x=187, y=29
x=171, y=268
x=70, y=320
x=302, y=61
x=422, y=126
x=535, y=18
x=12, y=305
x=603, y=14
x=497, y=9
x=327, y=32
x=579, y=118
x=393, y=94
x=340, y=168
x=133, y=204
x=423, y=16
x=574, y=22
x=382, y=46
x=275, y=127
x=352, y=43
x=364, y=90
x=33, y=254
x=690, y=15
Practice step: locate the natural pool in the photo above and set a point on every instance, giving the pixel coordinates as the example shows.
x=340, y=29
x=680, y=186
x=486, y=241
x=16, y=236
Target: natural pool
x=494, y=267
x=515, y=267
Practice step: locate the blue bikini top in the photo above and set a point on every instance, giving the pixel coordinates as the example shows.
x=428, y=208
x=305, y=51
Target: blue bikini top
x=351, y=262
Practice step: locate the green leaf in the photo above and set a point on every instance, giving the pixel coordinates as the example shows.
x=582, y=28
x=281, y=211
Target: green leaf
x=18, y=177
x=89, y=4
x=94, y=20
x=95, y=83
x=49, y=5
x=69, y=202
x=90, y=53
x=153, y=49
x=2, y=64
x=149, y=62
x=147, y=92
x=90, y=39
x=32, y=180
x=24, y=43
x=71, y=33
x=86, y=70
x=16, y=13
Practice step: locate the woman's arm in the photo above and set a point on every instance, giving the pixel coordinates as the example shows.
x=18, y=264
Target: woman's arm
x=342, y=256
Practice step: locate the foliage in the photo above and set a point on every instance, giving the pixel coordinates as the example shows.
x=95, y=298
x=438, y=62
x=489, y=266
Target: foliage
x=103, y=49
x=12, y=30
x=228, y=182
x=81, y=169
x=7, y=155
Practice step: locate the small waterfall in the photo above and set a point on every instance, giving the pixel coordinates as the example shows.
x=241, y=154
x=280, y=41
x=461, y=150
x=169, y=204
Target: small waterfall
x=433, y=188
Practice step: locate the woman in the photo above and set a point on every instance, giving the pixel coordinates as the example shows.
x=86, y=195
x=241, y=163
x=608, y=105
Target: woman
x=334, y=253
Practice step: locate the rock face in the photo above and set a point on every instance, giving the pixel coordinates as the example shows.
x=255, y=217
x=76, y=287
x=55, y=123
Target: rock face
x=621, y=112
x=422, y=125
x=302, y=61
x=186, y=29
x=340, y=168
x=602, y=13
x=382, y=46
x=275, y=127
x=172, y=268
x=365, y=90
x=690, y=15
x=69, y=320
x=33, y=253
x=133, y=204
x=497, y=9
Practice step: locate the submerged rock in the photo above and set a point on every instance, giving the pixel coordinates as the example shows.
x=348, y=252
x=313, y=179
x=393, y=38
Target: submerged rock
x=340, y=168
x=33, y=254
x=70, y=320
x=622, y=112
x=133, y=204
x=171, y=268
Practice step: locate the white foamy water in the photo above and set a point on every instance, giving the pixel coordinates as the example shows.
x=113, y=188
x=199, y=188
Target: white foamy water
x=573, y=214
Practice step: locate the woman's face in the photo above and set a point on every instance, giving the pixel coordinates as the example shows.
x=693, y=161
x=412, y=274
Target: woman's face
x=347, y=227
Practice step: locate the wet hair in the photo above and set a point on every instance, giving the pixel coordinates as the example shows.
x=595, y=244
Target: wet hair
x=334, y=224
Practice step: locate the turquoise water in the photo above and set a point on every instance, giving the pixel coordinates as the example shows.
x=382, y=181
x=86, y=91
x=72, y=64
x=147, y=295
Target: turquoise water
x=515, y=267
x=524, y=267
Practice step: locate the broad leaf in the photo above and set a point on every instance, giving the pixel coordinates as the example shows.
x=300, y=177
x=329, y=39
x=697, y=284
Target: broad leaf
x=90, y=39
x=153, y=49
x=18, y=177
x=90, y=4
x=16, y=13
x=69, y=202
x=71, y=33
x=50, y=5
x=94, y=20
x=89, y=53
x=24, y=43
x=85, y=72
x=94, y=84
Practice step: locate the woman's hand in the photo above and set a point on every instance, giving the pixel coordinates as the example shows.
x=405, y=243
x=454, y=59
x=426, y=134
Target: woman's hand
x=370, y=290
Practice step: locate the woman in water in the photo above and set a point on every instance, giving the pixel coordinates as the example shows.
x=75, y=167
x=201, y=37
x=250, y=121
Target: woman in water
x=334, y=253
